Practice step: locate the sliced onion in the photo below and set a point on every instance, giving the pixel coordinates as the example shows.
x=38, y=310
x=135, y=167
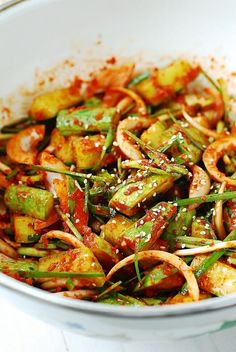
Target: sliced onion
x=218, y=217
x=21, y=148
x=124, y=104
x=166, y=257
x=206, y=249
x=78, y=294
x=58, y=283
x=4, y=257
x=204, y=130
x=134, y=96
x=49, y=284
x=14, y=245
x=4, y=183
x=64, y=236
x=213, y=153
x=6, y=249
x=200, y=185
x=128, y=147
x=5, y=168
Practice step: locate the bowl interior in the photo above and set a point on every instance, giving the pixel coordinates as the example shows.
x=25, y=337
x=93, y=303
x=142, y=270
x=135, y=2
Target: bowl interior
x=38, y=36
x=41, y=39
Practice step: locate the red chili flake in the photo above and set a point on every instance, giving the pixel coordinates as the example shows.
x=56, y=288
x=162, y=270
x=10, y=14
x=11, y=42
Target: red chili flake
x=74, y=89
x=38, y=115
x=131, y=190
x=111, y=60
x=99, y=116
x=79, y=213
x=92, y=87
x=108, y=159
x=45, y=241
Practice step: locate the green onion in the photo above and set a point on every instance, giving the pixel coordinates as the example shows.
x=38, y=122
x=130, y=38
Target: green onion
x=231, y=260
x=109, y=138
x=69, y=284
x=194, y=142
x=220, y=126
x=135, y=164
x=86, y=196
x=69, y=173
x=69, y=223
x=210, y=80
x=42, y=246
x=108, y=142
x=34, y=238
x=59, y=244
x=43, y=143
x=101, y=210
x=136, y=266
x=196, y=241
x=155, y=155
x=166, y=112
x=11, y=174
x=138, y=79
x=3, y=151
x=109, y=289
x=17, y=126
x=34, y=274
x=32, y=252
x=205, y=199
x=209, y=261
x=225, y=97
x=4, y=136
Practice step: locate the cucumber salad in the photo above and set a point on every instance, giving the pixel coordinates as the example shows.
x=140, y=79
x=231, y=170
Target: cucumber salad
x=121, y=189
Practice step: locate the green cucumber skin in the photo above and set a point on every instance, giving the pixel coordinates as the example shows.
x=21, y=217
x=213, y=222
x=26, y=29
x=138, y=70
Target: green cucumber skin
x=34, y=202
x=85, y=120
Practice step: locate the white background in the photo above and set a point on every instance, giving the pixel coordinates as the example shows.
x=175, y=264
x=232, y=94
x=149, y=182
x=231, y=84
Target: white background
x=22, y=333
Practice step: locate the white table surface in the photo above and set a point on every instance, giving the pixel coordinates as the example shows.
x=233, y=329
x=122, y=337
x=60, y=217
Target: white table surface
x=22, y=333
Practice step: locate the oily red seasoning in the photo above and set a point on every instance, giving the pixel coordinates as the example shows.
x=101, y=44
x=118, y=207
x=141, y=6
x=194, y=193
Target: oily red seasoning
x=230, y=215
x=111, y=60
x=129, y=191
x=75, y=86
x=80, y=216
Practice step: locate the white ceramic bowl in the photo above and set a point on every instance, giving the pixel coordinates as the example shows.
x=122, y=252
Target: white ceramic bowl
x=41, y=33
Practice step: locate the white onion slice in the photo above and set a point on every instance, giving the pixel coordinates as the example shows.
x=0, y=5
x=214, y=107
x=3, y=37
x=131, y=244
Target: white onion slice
x=165, y=257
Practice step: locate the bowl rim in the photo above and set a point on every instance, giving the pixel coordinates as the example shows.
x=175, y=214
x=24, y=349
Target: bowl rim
x=210, y=305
